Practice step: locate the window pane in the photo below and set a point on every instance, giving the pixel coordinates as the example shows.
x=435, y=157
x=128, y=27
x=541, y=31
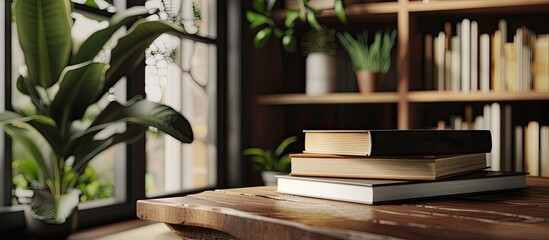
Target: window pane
x=105, y=5
x=198, y=16
x=2, y=95
x=104, y=177
x=181, y=74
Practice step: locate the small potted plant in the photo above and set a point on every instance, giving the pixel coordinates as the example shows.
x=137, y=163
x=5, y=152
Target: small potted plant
x=320, y=48
x=371, y=63
x=271, y=163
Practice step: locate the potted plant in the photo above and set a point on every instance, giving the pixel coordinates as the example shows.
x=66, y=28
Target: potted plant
x=372, y=62
x=320, y=64
x=260, y=18
x=270, y=163
x=62, y=81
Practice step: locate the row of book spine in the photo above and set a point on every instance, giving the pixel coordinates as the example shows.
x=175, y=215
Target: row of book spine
x=460, y=58
x=519, y=148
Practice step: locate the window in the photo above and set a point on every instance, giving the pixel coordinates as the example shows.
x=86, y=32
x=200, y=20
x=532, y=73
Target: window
x=182, y=73
x=3, y=97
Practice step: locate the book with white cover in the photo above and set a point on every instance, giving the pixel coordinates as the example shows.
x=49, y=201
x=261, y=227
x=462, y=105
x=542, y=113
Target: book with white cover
x=495, y=129
x=487, y=114
x=465, y=55
x=485, y=62
x=372, y=191
x=474, y=56
x=439, y=60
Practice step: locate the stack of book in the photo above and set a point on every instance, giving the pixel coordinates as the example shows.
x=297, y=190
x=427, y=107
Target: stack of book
x=379, y=166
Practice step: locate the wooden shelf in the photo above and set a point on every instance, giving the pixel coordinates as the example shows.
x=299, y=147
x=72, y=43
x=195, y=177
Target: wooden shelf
x=332, y=98
x=442, y=96
x=478, y=6
x=353, y=11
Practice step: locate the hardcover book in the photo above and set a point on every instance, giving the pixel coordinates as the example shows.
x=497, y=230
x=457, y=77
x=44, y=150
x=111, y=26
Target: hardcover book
x=371, y=191
x=402, y=167
x=397, y=142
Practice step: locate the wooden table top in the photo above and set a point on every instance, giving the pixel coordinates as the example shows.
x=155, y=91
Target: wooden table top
x=260, y=213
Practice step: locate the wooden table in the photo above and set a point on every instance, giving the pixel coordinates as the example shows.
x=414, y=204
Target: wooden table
x=260, y=213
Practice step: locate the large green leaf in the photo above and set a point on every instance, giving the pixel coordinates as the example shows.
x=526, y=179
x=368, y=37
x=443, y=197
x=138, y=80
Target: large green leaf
x=140, y=112
x=43, y=205
x=53, y=208
x=79, y=85
x=43, y=124
x=87, y=150
x=89, y=48
x=28, y=141
x=26, y=87
x=283, y=145
x=44, y=30
x=147, y=113
x=130, y=50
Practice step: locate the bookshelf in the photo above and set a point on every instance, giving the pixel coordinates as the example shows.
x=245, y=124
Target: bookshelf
x=275, y=91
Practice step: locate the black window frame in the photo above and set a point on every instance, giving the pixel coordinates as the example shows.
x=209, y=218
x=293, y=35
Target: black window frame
x=135, y=153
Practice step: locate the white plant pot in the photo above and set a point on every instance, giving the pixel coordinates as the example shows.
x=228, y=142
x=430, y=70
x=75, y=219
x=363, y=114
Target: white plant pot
x=320, y=74
x=268, y=177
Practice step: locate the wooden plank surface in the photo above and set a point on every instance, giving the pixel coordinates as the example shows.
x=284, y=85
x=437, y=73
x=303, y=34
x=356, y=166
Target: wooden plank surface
x=260, y=213
x=332, y=98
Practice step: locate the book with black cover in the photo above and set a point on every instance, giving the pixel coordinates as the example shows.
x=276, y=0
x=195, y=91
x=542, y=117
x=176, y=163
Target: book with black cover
x=397, y=142
x=371, y=191
x=386, y=167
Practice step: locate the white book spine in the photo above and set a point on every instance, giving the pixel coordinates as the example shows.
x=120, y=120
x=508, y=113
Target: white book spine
x=479, y=123
x=455, y=62
x=465, y=55
x=440, y=60
x=474, y=56
x=485, y=62
x=487, y=126
x=495, y=129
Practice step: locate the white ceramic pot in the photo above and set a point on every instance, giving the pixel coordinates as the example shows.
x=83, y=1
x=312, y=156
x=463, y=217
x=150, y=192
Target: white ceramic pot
x=269, y=177
x=320, y=74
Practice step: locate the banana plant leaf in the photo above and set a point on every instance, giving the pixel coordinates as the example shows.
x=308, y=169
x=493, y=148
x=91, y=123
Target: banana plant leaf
x=92, y=45
x=141, y=112
x=78, y=87
x=86, y=151
x=44, y=30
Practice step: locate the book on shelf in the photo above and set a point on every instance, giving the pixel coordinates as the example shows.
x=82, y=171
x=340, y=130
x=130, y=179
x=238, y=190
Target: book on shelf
x=515, y=147
x=465, y=57
x=385, y=167
x=371, y=191
x=474, y=56
x=485, y=62
x=463, y=61
x=397, y=142
x=531, y=144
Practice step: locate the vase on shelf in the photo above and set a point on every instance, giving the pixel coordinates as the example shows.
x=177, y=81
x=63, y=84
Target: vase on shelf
x=368, y=81
x=320, y=75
